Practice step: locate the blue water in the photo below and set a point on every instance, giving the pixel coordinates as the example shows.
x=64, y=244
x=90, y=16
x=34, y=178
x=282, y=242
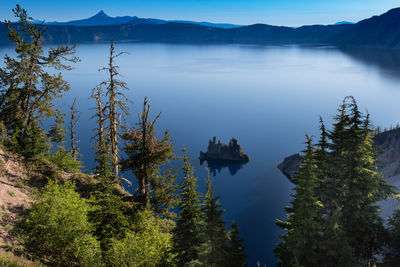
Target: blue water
x=266, y=97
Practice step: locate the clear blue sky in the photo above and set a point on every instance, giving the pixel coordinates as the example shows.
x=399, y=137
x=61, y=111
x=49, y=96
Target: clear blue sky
x=276, y=12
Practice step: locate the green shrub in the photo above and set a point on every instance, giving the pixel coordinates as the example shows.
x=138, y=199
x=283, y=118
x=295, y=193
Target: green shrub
x=64, y=160
x=148, y=245
x=58, y=228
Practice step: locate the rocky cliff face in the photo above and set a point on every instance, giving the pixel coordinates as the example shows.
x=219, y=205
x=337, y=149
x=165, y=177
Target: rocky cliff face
x=387, y=145
x=223, y=152
x=290, y=165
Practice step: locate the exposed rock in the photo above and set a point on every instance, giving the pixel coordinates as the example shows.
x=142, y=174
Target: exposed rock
x=14, y=196
x=290, y=165
x=223, y=152
x=388, y=148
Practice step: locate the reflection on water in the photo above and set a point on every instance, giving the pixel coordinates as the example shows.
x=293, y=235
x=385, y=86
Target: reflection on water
x=216, y=166
x=387, y=61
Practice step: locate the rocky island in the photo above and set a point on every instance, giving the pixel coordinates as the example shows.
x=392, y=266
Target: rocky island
x=223, y=152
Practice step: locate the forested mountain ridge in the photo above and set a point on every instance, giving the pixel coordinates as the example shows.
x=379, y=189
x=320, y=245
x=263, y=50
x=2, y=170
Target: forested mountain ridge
x=102, y=18
x=187, y=33
x=377, y=32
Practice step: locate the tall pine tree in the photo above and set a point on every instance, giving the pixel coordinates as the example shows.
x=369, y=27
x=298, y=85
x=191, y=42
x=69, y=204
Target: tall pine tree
x=362, y=187
x=300, y=246
x=214, y=250
x=28, y=90
x=236, y=251
x=145, y=154
x=187, y=233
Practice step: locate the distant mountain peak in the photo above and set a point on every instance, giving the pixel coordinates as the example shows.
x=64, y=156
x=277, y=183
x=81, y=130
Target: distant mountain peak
x=101, y=14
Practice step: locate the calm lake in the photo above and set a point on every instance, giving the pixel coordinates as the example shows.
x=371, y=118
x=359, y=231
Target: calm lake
x=266, y=97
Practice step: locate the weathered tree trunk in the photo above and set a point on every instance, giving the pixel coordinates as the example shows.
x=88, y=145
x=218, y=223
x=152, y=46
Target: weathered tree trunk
x=72, y=128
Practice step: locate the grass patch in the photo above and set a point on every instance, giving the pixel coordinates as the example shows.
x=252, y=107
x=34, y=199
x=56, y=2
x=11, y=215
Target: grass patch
x=8, y=227
x=9, y=259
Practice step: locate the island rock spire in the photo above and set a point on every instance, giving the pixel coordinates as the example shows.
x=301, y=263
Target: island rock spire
x=223, y=152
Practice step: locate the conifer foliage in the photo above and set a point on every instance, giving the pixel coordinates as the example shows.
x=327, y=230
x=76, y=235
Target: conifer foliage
x=303, y=228
x=28, y=90
x=236, y=250
x=334, y=219
x=145, y=154
x=215, y=238
x=101, y=147
x=109, y=213
x=187, y=233
x=200, y=237
x=392, y=257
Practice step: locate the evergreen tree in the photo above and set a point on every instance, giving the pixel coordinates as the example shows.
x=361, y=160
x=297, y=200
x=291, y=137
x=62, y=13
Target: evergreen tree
x=322, y=158
x=145, y=155
x=363, y=187
x=165, y=198
x=57, y=133
x=300, y=246
x=356, y=185
x=214, y=250
x=187, y=233
x=102, y=151
x=333, y=247
x=340, y=197
x=27, y=90
x=109, y=214
x=392, y=257
x=115, y=108
x=236, y=252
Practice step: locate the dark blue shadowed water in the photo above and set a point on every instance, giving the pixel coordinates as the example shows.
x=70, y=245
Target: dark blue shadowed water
x=266, y=97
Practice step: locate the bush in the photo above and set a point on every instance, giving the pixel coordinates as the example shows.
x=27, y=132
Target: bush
x=58, y=228
x=148, y=245
x=64, y=160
